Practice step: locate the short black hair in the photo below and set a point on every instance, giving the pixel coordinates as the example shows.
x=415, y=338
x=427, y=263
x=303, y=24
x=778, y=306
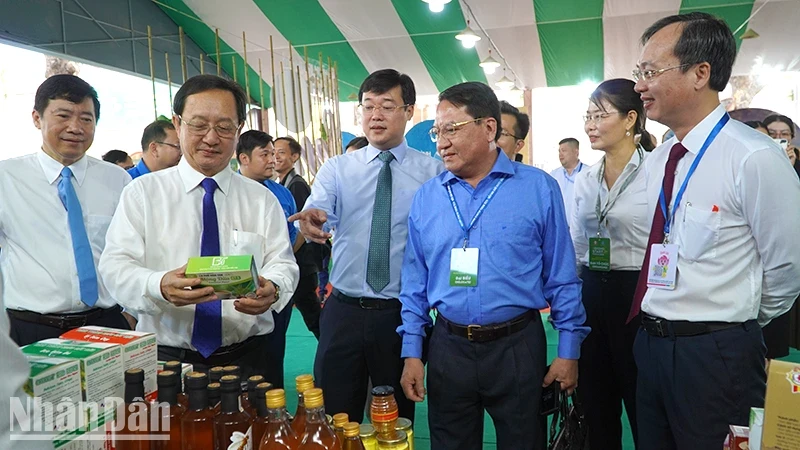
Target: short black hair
x=780, y=118
x=156, y=131
x=115, y=156
x=478, y=98
x=250, y=140
x=203, y=83
x=619, y=93
x=572, y=141
x=704, y=38
x=65, y=87
x=755, y=124
x=381, y=81
x=294, y=146
x=523, y=122
x=357, y=142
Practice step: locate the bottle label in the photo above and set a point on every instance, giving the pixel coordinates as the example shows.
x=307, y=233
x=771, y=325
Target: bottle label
x=385, y=417
x=241, y=441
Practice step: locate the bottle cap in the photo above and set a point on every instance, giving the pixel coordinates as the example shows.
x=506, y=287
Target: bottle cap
x=232, y=370
x=230, y=383
x=215, y=373
x=196, y=380
x=166, y=378
x=313, y=398
x=399, y=437
x=403, y=424
x=174, y=366
x=276, y=398
x=253, y=381
x=382, y=391
x=134, y=376
x=366, y=430
x=351, y=429
x=304, y=383
x=340, y=419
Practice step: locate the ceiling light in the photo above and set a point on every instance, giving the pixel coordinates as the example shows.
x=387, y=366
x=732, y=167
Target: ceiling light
x=749, y=34
x=436, y=5
x=489, y=64
x=468, y=37
x=505, y=83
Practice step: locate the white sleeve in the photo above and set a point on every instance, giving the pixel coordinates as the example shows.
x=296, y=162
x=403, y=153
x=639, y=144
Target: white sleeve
x=278, y=263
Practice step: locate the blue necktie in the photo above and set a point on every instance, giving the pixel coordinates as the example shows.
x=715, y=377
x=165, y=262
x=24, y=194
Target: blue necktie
x=380, y=235
x=207, y=331
x=84, y=261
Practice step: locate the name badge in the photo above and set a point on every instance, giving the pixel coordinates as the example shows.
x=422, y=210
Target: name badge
x=600, y=254
x=662, y=270
x=464, y=267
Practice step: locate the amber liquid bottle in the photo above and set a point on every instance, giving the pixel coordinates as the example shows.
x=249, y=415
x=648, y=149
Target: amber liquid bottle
x=214, y=396
x=177, y=367
x=258, y=399
x=339, y=420
x=232, y=370
x=169, y=411
x=318, y=435
x=303, y=383
x=232, y=425
x=136, y=414
x=214, y=374
x=252, y=382
x=197, y=423
x=383, y=410
x=352, y=441
x=279, y=434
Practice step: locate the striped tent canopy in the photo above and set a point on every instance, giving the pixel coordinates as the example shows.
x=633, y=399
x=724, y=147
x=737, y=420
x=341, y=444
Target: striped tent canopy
x=543, y=43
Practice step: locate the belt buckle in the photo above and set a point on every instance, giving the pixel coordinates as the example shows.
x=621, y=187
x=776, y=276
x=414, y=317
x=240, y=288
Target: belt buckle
x=659, y=327
x=363, y=306
x=470, y=329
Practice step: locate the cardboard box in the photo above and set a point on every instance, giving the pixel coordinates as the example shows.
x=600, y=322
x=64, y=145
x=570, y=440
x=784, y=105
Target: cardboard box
x=782, y=407
x=100, y=364
x=139, y=350
x=738, y=437
x=52, y=380
x=95, y=437
x=230, y=276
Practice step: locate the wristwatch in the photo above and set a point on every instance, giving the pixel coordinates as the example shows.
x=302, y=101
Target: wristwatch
x=277, y=290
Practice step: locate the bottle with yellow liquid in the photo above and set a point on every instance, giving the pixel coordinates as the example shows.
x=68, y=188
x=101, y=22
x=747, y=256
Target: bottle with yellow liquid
x=339, y=420
x=406, y=427
x=177, y=367
x=169, y=412
x=303, y=383
x=393, y=441
x=369, y=437
x=383, y=410
x=279, y=434
x=318, y=435
x=352, y=441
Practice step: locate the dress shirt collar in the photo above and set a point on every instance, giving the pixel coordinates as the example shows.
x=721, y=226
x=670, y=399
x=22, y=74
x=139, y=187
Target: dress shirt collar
x=142, y=168
x=502, y=166
x=399, y=152
x=192, y=178
x=52, y=168
x=695, y=139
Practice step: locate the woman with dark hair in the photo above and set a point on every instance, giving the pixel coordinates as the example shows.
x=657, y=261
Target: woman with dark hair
x=781, y=127
x=610, y=227
x=758, y=126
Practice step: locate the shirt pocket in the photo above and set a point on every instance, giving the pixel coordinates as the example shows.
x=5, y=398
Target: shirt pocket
x=96, y=229
x=509, y=250
x=700, y=233
x=247, y=243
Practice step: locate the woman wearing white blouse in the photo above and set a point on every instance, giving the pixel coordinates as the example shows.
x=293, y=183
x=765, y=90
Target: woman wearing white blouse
x=610, y=228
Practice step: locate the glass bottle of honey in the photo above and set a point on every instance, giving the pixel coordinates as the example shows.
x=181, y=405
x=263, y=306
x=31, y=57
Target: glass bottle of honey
x=258, y=400
x=303, y=383
x=232, y=425
x=197, y=423
x=318, y=434
x=339, y=420
x=383, y=410
x=134, y=414
x=252, y=382
x=352, y=441
x=279, y=434
x=177, y=368
x=169, y=412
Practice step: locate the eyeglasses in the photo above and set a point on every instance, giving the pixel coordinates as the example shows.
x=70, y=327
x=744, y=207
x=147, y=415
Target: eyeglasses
x=597, y=117
x=202, y=128
x=507, y=134
x=368, y=110
x=648, y=75
x=782, y=134
x=175, y=146
x=450, y=130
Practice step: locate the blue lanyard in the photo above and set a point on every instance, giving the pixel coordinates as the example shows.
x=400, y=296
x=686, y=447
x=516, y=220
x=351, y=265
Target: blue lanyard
x=669, y=216
x=574, y=173
x=478, y=213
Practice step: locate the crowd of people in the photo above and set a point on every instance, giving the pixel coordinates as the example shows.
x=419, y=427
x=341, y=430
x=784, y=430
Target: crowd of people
x=659, y=265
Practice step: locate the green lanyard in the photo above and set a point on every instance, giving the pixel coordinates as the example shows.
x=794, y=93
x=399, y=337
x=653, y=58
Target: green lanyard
x=602, y=213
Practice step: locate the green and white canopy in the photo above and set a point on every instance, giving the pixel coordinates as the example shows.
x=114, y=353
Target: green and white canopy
x=545, y=43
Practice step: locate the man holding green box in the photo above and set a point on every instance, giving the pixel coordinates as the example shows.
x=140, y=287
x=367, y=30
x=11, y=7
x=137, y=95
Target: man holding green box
x=201, y=208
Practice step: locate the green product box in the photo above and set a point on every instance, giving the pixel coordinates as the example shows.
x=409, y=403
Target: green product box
x=230, y=276
x=53, y=380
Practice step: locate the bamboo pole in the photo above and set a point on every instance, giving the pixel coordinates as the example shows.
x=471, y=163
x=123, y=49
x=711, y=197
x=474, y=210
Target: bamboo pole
x=338, y=116
x=323, y=116
x=336, y=135
x=264, y=115
x=152, y=70
x=202, y=64
x=283, y=92
x=274, y=91
x=183, y=54
x=169, y=79
x=302, y=125
x=247, y=80
x=233, y=63
x=216, y=44
x=294, y=93
x=310, y=101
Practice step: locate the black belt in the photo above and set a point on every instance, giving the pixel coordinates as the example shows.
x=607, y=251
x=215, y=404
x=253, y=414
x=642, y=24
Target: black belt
x=63, y=321
x=222, y=357
x=367, y=302
x=486, y=333
x=658, y=327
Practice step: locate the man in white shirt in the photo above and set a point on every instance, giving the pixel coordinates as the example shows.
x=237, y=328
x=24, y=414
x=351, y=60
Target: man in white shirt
x=571, y=166
x=55, y=210
x=699, y=351
x=201, y=208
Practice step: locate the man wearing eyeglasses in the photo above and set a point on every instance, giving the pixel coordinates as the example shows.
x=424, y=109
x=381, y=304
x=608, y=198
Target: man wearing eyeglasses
x=201, y=208
x=514, y=128
x=366, y=195
x=719, y=262
x=487, y=260
x=160, y=149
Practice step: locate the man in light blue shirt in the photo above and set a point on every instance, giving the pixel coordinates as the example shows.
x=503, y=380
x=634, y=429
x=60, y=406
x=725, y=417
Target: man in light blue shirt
x=487, y=259
x=160, y=149
x=571, y=166
x=365, y=195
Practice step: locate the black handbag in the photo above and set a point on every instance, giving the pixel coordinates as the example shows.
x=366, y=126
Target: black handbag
x=568, y=426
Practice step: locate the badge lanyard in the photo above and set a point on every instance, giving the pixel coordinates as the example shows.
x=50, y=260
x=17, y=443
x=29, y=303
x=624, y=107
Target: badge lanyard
x=669, y=215
x=601, y=214
x=478, y=213
x=574, y=173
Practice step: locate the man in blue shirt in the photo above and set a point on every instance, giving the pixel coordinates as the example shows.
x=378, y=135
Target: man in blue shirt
x=255, y=152
x=366, y=195
x=487, y=259
x=160, y=149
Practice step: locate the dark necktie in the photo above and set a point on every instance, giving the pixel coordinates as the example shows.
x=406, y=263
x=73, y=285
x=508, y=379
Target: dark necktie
x=657, y=230
x=380, y=234
x=207, y=331
x=81, y=248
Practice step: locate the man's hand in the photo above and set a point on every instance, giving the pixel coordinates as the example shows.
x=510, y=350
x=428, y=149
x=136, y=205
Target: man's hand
x=564, y=371
x=174, y=286
x=265, y=297
x=311, y=221
x=413, y=379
